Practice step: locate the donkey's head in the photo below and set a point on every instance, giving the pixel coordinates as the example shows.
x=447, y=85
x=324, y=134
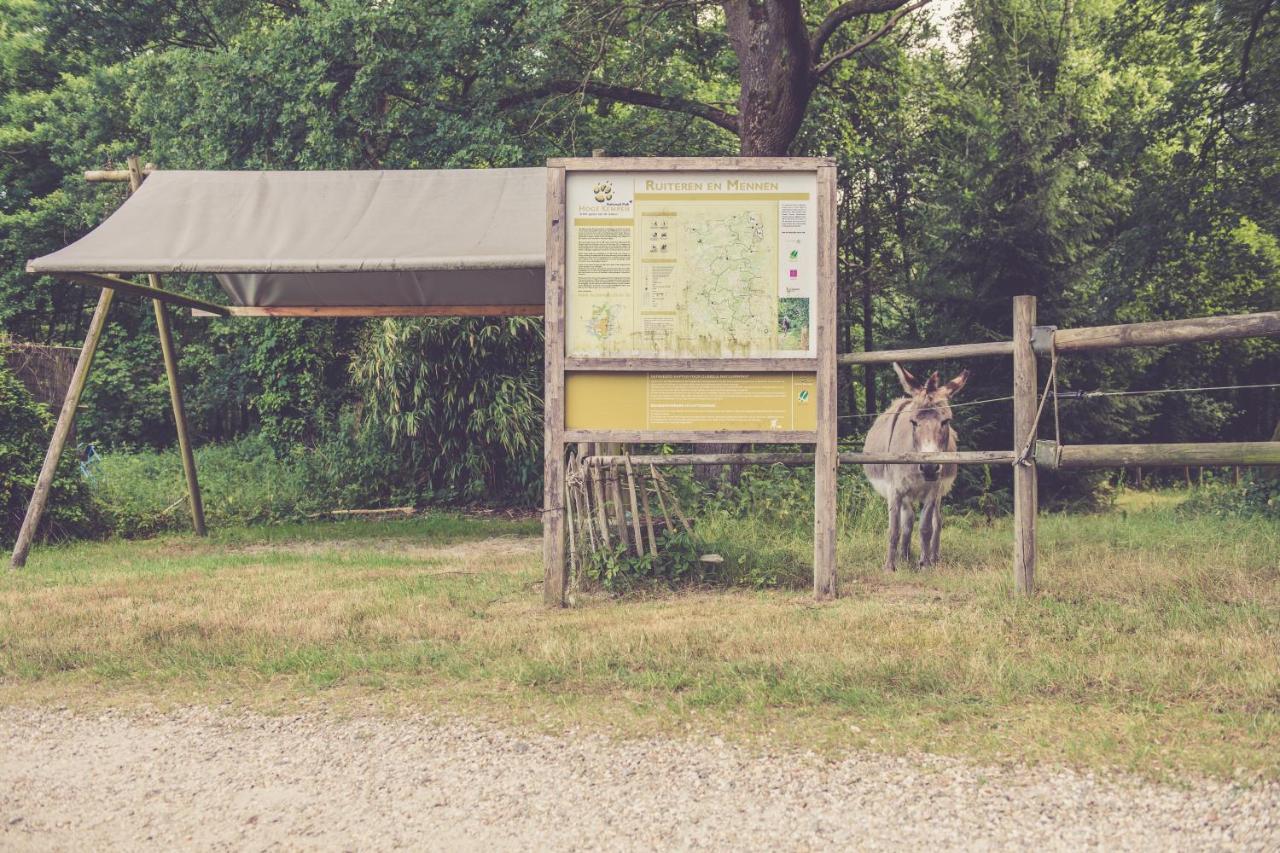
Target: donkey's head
x=929, y=413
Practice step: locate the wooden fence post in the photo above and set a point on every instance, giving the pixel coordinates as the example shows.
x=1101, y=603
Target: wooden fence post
x=175, y=390
x=66, y=419
x=826, y=451
x=1025, y=496
x=555, y=575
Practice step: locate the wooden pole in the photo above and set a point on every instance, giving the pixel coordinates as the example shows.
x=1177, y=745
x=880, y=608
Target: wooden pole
x=554, y=580
x=66, y=419
x=175, y=389
x=928, y=353
x=114, y=175
x=635, y=508
x=826, y=452
x=584, y=508
x=1165, y=332
x=619, y=512
x=111, y=282
x=648, y=517
x=1025, y=498
x=1169, y=455
x=957, y=457
x=602, y=517
x=570, y=517
x=662, y=504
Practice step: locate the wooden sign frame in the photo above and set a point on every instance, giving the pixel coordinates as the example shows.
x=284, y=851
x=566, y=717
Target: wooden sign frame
x=823, y=364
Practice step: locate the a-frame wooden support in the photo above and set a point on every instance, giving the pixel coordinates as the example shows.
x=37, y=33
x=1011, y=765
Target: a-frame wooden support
x=66, y=417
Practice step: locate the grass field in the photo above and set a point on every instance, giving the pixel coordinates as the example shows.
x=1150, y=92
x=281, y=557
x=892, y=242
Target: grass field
x=1153, y=644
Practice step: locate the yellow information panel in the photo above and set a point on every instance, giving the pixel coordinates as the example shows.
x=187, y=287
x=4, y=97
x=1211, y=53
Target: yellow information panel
x=691, y=264
x=767, y=402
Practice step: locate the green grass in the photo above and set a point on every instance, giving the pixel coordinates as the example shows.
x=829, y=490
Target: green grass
x=1153, y=644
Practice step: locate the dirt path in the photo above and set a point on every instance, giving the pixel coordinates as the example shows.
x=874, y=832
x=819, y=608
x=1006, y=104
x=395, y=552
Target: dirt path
x=211, y=780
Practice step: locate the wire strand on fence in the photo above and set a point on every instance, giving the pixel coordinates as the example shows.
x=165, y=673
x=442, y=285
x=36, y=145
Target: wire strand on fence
x=1085, y=395
x=953, y=406
x=1088, y=395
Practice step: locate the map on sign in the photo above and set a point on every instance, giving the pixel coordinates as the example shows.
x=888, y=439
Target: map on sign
x=729, y=278
x=690, y=265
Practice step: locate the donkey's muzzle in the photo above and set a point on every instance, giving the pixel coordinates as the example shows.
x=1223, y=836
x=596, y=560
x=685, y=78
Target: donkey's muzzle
x=930, y=472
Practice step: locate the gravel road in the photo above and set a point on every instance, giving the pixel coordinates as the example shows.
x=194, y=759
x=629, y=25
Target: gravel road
x=210, y=779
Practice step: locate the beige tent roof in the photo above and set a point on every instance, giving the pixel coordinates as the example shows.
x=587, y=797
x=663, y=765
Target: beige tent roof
x=464, y=237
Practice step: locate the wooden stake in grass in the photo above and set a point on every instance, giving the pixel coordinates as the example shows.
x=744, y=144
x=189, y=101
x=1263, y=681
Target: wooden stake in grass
x=619, y=514
x=635, y=508
x=569, y=518
x=584, y=504
x=602, y=518
x=648, y=517
x=662, y=504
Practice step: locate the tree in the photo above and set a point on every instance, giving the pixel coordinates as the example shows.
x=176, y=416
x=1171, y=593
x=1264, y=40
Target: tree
x=779, y=57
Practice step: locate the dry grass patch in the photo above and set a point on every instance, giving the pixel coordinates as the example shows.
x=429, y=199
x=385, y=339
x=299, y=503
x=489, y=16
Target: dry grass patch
x=1154, y=644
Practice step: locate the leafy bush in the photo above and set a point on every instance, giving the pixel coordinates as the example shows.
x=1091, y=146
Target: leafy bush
x=1258, y=495
x=25, y=428
x=676, y=563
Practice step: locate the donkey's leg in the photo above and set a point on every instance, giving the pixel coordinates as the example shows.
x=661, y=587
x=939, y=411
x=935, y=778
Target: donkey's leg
x=907, y=511
x=937, y=528
x=928, y=519
x=891, y=560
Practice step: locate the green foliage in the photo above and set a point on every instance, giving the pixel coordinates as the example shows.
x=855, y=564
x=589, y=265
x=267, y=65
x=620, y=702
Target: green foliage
x=249, y=482
x=1258, y=496
x=461, y=403
x=675, y=564
x=25, y=428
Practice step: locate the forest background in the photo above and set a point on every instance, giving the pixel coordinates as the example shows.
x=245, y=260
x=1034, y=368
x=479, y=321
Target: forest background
x=1118, y=160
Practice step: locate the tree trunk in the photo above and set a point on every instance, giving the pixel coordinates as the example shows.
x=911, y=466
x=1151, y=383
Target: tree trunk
x=771, y=42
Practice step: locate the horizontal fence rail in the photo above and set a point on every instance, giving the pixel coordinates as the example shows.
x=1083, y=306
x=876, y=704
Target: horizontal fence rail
x=1153, y=334
x=1054, y=456
x=960, y=457
x=924, y=353
x=1165, y=332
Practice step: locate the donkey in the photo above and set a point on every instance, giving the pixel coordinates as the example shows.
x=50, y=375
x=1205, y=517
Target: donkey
x=919, y=422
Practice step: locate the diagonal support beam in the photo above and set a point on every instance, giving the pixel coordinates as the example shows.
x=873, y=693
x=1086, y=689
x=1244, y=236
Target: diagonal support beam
x=66, y=419
x=120, y=285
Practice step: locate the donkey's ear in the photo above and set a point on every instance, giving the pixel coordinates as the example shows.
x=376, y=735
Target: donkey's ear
x=931, y=384
x=953, y=387
x=909, y=383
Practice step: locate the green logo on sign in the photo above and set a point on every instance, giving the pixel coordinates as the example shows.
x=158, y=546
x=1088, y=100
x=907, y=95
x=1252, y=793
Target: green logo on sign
x=795, y=253
x=804, y=396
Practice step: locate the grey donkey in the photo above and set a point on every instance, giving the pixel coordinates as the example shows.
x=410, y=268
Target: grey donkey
x=919, y=422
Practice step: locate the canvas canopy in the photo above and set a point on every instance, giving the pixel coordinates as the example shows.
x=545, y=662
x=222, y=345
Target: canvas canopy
x=453, y=237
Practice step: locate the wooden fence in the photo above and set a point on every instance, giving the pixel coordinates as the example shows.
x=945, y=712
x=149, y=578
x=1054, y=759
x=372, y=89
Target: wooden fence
x=1028, y=454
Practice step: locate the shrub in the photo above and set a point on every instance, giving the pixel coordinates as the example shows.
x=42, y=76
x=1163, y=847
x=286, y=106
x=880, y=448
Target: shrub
x=1257, y=496
x=25, y=428
x=676, y=563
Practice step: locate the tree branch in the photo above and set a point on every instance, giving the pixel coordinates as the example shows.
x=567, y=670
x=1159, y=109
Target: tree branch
x=845, y=12
x=623, y=94
x=874, y=37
